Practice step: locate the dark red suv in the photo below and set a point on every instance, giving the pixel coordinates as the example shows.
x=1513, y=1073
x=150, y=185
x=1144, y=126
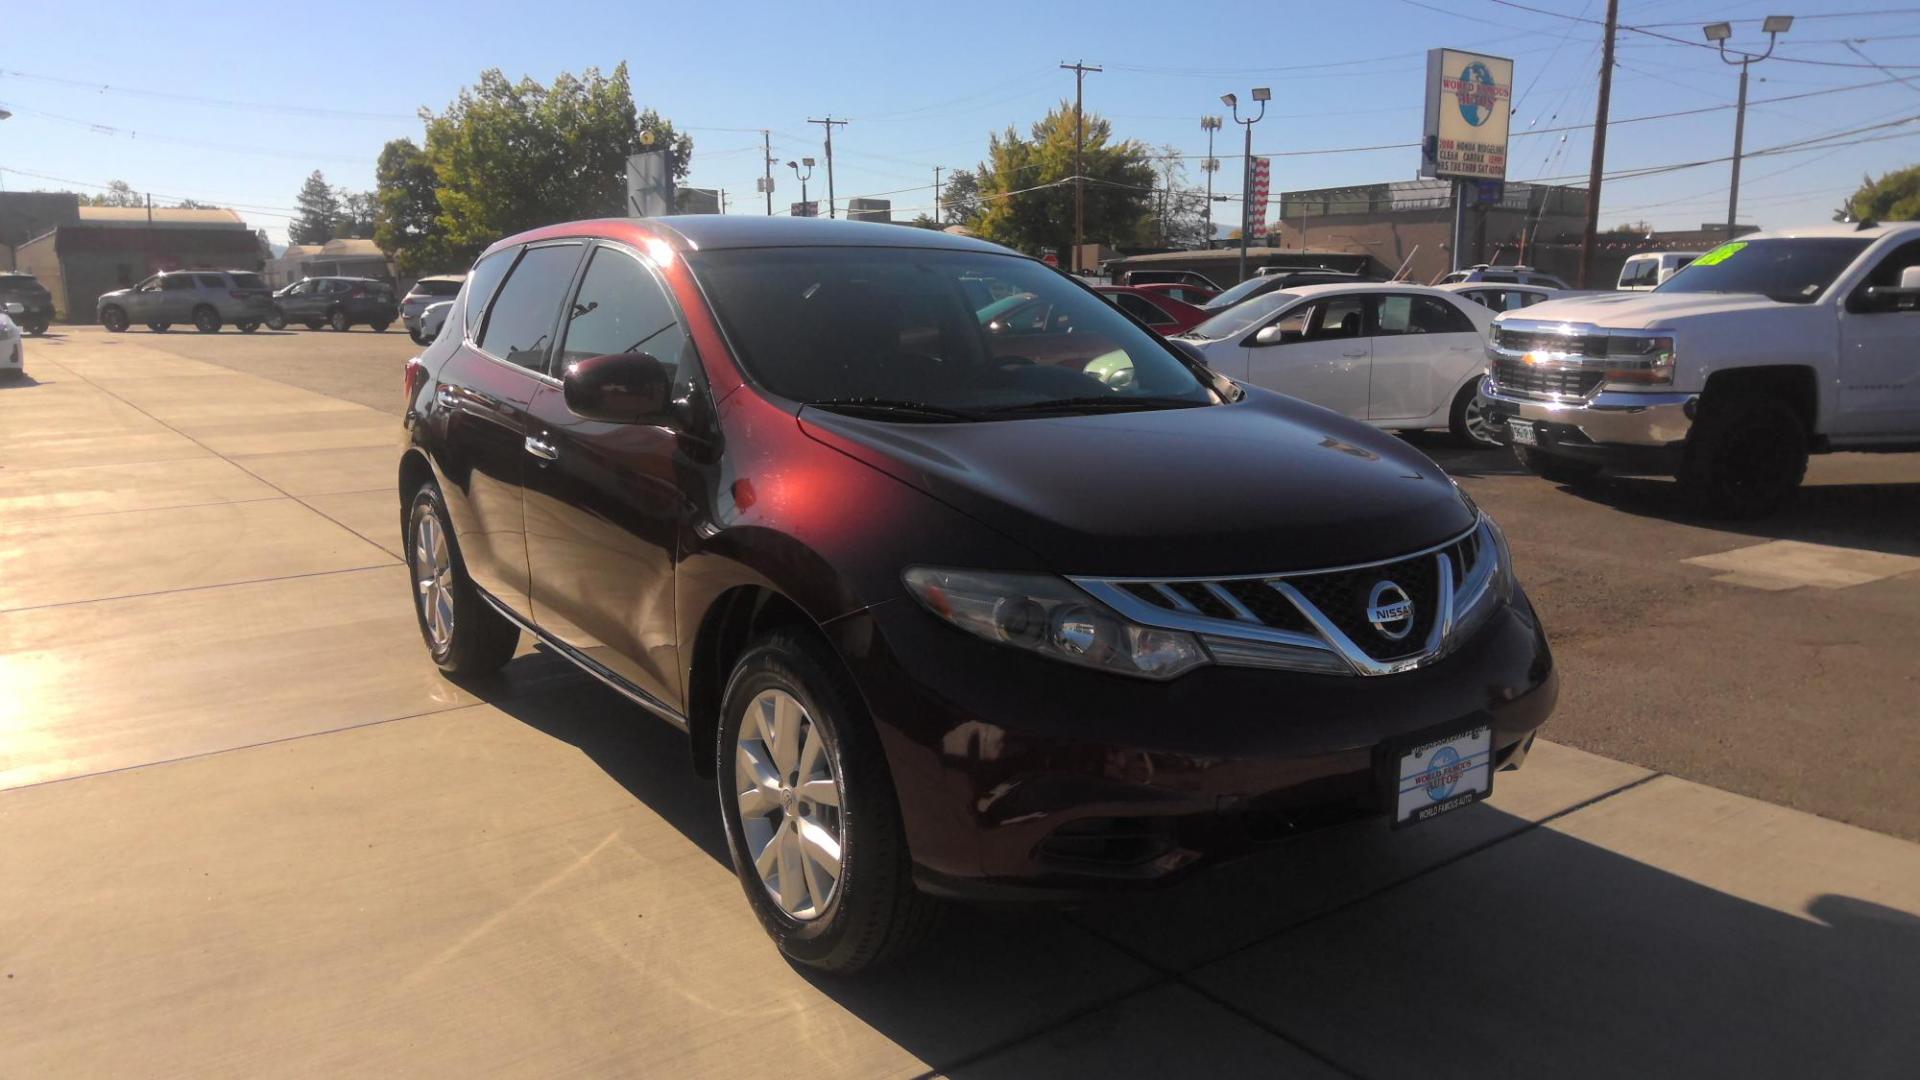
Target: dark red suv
x=944, y=609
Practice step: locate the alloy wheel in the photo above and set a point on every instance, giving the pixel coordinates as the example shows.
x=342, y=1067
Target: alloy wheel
x=1479, y=423
x=788, y=787
x=433, y=579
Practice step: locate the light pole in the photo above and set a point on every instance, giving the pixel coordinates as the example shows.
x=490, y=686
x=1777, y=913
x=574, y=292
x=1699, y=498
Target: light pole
x=795, y=166
x=1260, y=94
x=1718, y=33
x=1211, y=165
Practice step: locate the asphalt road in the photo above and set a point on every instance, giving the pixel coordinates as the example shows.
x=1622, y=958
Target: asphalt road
x=1802, y=696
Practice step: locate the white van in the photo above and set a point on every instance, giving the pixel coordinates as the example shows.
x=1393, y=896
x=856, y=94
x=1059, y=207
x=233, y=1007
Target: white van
x=1644, y=272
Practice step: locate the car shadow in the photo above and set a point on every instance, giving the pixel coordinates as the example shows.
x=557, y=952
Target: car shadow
x=1872, y=517
x=1458, y=460
x=16, y=379
x=1481, y=944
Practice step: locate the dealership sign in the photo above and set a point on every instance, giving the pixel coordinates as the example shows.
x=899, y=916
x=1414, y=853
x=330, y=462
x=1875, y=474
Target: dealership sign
x=1469, y=104
x=1257, y=200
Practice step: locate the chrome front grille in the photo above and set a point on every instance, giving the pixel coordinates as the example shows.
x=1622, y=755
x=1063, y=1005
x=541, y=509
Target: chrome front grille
x=1545, y=380
x=1321, y=620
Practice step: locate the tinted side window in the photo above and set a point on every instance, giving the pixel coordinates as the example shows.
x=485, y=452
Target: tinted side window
x=1339, y=317
x=1141, y=309
x=520, y=323
x=620, y=308
x=1432, y=315
x=211, y=281
x=177, y=282
x=481, y=283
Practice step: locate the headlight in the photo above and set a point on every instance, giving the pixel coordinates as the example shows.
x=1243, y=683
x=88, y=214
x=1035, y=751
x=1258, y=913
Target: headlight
x=1499, y=588
x=1046, y=615
x=1635, y=361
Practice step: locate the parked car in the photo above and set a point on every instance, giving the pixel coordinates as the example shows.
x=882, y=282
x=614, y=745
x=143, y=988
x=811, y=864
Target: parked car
x=1766, y=349
x=425, y=292
x=1186, y=294
x=338, y=302
x=1157, y=310
x=1170, y=277
x=1262, y=284
x=1504, y=275
x=940, y=619
x=1648, y=270
x=432, y=318
x=209, y=299
x=1502, y=297
x=35, y=303
x=13, y=352
x=1395, y=355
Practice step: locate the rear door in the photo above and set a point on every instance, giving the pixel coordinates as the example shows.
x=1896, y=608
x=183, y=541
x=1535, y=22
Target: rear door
x=1323, y=356
x=481, y=402
x=605, y=502
x=1423, y=347
x=175, y=303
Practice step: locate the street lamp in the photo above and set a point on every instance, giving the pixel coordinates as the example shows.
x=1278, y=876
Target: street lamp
x=1718, y=33
x=795, y=166
x=1260, y=94
x=1211, y=165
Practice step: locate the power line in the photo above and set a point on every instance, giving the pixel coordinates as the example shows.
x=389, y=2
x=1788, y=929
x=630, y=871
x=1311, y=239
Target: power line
x=1680, y=41
x=300, y=110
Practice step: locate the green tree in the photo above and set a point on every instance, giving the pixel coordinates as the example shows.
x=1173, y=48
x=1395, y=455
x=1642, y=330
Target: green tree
x=1893, y=197
x=357, y=213
x=407, y=211
x=508, y=156
x=319, y=211
x=118, y=193
x=1027, y=193
x=194, y=204
x=960, y=198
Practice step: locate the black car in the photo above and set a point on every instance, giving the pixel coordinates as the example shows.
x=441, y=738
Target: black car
x=35, y=302
x=339, y=302
x=1266, y=282
x=945, y=611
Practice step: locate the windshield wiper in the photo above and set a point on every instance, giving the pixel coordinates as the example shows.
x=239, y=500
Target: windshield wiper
x=1100, y=403
x=892, y=408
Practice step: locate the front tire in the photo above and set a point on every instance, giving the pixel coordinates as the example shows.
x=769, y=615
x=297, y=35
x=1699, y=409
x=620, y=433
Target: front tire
x=464, y=635
x=35, y=327
x=277, y=320
x=247, y=326
x=159, y=327
x=811, y=817
x=1556, y=469
x=1469, y=420
x=114, y=318
x=379, y=327
x=339, y=321
x=1744, y=457
x=206, y=320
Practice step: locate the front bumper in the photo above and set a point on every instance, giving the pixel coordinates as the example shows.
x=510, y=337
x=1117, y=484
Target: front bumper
x=1019, y=775
x=1621, y=429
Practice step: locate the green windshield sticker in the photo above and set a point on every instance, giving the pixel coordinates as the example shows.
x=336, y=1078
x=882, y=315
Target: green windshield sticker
x=1720, y=254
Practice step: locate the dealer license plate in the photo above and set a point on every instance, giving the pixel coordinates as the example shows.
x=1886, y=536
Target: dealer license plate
x=1522, y=432
x=1442, y=775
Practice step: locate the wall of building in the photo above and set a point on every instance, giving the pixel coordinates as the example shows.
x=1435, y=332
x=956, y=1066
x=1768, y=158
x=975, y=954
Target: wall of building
x=27, y=214
x=78, y=264
x=37, y=257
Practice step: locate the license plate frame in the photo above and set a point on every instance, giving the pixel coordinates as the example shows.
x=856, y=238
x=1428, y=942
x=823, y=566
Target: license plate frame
x=1405, y=762
x=1522, y=432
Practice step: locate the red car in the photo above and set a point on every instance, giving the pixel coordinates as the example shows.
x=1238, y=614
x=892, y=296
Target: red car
x=1158, y=310
x=1186, y=293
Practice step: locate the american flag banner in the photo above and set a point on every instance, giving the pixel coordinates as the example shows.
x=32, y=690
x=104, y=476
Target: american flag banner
x=1257, y=199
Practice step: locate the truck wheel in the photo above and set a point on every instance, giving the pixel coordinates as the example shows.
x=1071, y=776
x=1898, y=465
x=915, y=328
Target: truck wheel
x=1557, y=469
x=113, y=318
x=1469, y=420
x=1744, y=457
x=206, y=320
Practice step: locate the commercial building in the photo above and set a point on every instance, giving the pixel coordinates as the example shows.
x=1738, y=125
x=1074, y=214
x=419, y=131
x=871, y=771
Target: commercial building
x=103, y=248
x=1410, y=223
x=335, y=258
x=27, y=214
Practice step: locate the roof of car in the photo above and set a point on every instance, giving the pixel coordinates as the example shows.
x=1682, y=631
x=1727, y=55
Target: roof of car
x=1871, y=232
x=1362, y=287
x=1463, y=286
x=711, y=232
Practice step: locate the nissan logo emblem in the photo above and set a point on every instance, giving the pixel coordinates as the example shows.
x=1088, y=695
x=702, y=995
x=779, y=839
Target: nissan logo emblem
x=1390, y=610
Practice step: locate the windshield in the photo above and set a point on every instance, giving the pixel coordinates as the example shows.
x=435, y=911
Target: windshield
x=1243, y=317
x=935, y=335
x=1791, y=271
x=1250, y=287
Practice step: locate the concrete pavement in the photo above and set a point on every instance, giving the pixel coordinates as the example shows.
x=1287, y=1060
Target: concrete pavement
x=249, y=830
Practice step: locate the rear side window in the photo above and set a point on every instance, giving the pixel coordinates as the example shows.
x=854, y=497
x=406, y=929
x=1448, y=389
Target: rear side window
x=1141, y=309
x=436, y=288
x=1401, y=314
x=621, y=308
x=1639, y=272
x=249, y=281
x=481, y=283
x=520, y=323
x=211, y=281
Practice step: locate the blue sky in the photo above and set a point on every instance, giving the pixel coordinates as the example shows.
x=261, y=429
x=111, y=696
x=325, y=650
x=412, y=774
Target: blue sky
x=923, y=85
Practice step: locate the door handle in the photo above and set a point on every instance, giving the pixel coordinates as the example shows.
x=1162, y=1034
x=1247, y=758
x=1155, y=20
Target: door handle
x=542, y=449
x=1354, y=355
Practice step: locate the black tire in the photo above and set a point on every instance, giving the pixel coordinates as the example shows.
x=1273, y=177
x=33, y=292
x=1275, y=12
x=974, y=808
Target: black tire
x=379, y=327
x=206, y=319
x=480, y=639
x=36, y=327
x=1745, y=456
x=159, y=327
x=277, y=320
x=874, y=913
x=247, y=326
x=1557, y=469
x=1469, y=421
x=339, y=321
x=314, y=324
x=114, y=318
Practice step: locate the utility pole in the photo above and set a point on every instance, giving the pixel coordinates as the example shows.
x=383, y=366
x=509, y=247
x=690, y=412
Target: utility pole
x=1079, y=147
x=937, y=170
x=766, y=148
x=829, y=123
x=723, y=200
x=1599, y=144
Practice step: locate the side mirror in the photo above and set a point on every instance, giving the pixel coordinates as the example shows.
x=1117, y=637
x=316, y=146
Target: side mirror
x=1901, y=297
x=624, y=388
x=1270, y=335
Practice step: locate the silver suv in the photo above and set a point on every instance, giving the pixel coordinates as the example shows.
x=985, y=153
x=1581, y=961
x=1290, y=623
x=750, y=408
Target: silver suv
x=209, y=299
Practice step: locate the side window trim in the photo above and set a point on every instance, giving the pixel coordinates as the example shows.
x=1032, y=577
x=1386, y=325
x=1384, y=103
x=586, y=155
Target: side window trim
x=573, y=283
x=580, y=280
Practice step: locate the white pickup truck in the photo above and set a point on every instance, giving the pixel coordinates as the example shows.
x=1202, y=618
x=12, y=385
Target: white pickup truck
x=1762, y=351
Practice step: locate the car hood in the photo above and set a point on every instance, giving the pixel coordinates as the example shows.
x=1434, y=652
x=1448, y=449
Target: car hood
x=1267, y=484
x=1641, y=311
x=115, y=294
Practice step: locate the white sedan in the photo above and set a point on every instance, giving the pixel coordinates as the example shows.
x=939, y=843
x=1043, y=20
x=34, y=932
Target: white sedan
x=1398, y=356
x=431, y=320
x=13, y=353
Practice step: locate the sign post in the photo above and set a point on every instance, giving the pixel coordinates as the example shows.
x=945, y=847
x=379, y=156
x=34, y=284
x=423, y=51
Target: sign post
x=1468, y=110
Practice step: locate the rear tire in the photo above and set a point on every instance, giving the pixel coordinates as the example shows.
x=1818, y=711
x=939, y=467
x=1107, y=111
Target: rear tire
x=159, y=327
x=114, y=318
x=1557, y=469
x=419, y=338
x=339, y=321
x=246, y=327
x=464, y=634
x=206, y=320
x=802, y=780
x=1469, y=420
x=1745, y=456
x=379, y=327
x=314, y=324
x=36, y=327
